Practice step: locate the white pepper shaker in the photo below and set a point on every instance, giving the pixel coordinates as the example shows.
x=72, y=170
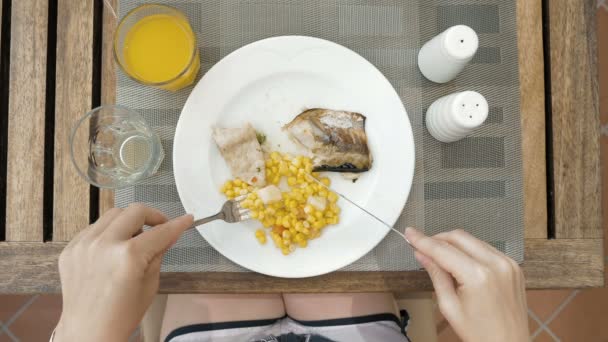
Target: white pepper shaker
x=453, y=117
x=442, y=58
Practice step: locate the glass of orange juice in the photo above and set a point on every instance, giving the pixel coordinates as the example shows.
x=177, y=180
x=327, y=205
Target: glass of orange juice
x=155, y=45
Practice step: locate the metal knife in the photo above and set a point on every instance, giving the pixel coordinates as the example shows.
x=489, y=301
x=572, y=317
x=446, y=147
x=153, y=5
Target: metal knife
x=361, y=208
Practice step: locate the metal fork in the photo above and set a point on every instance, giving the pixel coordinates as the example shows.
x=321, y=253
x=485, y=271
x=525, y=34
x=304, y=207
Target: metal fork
x=231, y=212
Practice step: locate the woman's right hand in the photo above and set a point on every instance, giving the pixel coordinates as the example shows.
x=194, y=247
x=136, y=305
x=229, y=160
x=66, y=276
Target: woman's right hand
x=480, y=291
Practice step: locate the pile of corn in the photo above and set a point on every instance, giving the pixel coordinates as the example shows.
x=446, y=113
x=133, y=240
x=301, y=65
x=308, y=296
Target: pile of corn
x=292, y=221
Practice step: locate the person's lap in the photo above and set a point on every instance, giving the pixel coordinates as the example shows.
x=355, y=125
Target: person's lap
x=186, y=310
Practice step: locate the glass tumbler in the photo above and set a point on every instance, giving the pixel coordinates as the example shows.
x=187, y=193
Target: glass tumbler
x=113, y=147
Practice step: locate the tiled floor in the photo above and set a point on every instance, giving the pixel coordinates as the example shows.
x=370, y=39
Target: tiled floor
x=554, y=315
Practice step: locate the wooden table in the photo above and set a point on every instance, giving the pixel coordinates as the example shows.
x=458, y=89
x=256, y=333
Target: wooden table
x=56, y=64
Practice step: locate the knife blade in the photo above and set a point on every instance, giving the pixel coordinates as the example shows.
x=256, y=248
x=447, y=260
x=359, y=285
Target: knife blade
x=360, y=207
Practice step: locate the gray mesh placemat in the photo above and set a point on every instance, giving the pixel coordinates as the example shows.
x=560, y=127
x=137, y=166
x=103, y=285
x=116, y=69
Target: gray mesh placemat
x=475, y=184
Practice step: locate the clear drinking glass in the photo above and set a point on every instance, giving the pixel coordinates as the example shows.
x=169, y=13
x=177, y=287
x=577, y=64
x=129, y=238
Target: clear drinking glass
x=113, y=147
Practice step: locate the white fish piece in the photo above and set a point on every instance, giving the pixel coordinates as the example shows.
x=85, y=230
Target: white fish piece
x=335, y=138
x=270, y=194
x=242, y=152
x=320, y=203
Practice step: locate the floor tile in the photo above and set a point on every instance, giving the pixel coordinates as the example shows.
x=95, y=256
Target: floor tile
x=584, y=318
x=544, y=302
x=9, y=304
x=39, y=320
x=544, y=337
x=5, y=338
x=532, y=325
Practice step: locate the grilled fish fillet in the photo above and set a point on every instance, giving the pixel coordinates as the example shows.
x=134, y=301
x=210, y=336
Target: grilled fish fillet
x=335, y=138
x=242, y=152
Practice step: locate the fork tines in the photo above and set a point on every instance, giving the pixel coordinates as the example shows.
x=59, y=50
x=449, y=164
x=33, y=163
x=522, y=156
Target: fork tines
x=243, y=212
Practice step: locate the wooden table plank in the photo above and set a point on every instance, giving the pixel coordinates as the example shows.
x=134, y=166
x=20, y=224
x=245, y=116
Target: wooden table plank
x=549, y=264
x=27, y=94
x=575, y=119
x=532, y=89
x=108, y=83
x=73, y=100
x=0, y=27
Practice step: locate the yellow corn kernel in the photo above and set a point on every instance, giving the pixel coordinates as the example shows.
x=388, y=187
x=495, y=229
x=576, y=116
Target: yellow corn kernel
x=325, y=181
x=332, y=197
x=302, y=243
x=335, y=210
x=229, y=193
x=297, y=162
x=335, y=220
x=291, y=181
x=238, y=182
x=268, y=163
x=285, y=222
x=243, y=192
x=308, y=168
x=316, y=174
x=286, y=234
x=285, y=250
x=254, y=214
x=228, y=185
x=283, y=170
x=246, y=204
x=258, y=203
x=275, y=156
x=262, y=240
x=286, y=242
x=299, y=237
x=323, y=193
x=292, y=248
x=252, y=197
x=260, y=232
x=261, y=215
x=311, y=218
x=267, y=223
x=306, y=224
x=306, y=231
x=293, y=231
x=275, y=169
x=317, y=225
x=318, y=215
x=270, y=211
x=309, y=190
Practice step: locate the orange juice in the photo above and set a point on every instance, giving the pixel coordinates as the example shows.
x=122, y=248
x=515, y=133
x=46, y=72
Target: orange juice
x=160, y=49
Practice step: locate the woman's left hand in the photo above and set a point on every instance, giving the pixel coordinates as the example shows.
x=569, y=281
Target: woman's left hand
x=110, y=273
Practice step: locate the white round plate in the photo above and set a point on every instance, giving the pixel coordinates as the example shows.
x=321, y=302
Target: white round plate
x=268, y=83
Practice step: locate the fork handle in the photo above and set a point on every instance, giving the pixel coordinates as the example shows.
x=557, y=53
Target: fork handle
x=218, y=216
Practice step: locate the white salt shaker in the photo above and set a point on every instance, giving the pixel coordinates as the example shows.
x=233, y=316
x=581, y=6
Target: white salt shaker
x=444, y=56
x=453, y=117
